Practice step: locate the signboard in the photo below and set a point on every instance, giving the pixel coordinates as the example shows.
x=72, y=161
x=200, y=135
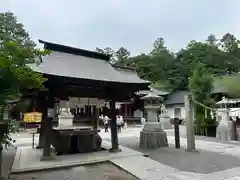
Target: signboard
x=33, y=117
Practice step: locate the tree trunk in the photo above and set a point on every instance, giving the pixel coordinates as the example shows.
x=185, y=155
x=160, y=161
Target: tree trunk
x=1, y=139
x=2, y=112
x=1, y=158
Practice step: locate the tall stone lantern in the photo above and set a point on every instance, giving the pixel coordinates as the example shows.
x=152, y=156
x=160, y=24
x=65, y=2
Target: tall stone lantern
x=225, y=127
x=152, y=135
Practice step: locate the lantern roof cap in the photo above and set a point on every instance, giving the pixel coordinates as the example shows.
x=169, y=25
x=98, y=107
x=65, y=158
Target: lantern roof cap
x=152, y=96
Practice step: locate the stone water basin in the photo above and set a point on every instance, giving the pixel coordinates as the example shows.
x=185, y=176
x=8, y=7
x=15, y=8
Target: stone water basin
x=68, y=140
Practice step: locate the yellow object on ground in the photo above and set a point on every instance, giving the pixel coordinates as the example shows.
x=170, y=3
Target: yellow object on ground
x=33, y=117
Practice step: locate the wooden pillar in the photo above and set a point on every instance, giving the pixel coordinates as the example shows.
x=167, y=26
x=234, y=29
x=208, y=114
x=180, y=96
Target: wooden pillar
x=130, y=110
x=90, y=110
x=86, y=110
x=114, y=134
x=95, y=118
x=125, y=110
x=234, y=131
x=189, y=123
x=122, y=110
x=48, y=117
x=40, y=108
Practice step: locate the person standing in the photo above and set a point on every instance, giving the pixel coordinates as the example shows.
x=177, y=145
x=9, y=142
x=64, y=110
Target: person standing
x=119, y=122
x=106, y=123
x=101, y=118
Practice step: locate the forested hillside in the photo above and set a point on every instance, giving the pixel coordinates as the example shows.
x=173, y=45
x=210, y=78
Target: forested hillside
x=173, y=70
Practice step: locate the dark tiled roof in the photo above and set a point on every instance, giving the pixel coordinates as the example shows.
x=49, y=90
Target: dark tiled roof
x=83, y=67
x=175, y=98
x=124, y=68
x=219, y=83
x=128, y=73
x=73, y=50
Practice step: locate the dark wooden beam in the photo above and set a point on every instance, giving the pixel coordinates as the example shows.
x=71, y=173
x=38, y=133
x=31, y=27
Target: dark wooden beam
x=95, y=117
x=48, y=126
x=114, y=133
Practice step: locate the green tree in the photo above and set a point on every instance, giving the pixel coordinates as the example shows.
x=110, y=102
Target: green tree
x=217, y=62
x=230, y=45
x=159, y=66
x=122, y=54
x=108, y=51
x=158, y=46
x=141, y=63
x=171, y=71
x=229, y=42
x=122, y=57
x=99, y=50
x=200, y=86
x=16, y=52
x=212, y=40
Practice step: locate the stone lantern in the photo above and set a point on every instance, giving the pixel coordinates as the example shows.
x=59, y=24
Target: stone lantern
x=225, y=127
x=152, y=135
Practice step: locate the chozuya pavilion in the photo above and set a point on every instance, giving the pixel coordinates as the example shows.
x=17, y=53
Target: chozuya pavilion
x=76, y=74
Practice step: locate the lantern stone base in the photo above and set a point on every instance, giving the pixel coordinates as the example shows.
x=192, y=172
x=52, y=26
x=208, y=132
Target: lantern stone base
x=224, y=131
x=152, y=136
x=65, y=120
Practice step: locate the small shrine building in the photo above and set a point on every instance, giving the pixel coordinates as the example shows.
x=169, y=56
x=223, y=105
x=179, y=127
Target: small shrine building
x=77, y=73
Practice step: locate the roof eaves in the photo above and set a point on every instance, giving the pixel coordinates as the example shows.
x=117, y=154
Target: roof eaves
x=73, y=50
x=123, y=67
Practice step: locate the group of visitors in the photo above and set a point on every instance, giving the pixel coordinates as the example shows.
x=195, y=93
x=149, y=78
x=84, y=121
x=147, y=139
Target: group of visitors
x=107, y=121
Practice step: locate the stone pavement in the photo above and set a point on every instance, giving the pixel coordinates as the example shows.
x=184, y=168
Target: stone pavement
x=213, y=155
x=28, y=159
x=8, y=157
x=200, y=162
x=97, y=171
x=214, y=159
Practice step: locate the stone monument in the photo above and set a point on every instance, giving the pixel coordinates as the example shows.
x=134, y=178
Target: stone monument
x=152, y=136
x=165, y=119
x=65, y=117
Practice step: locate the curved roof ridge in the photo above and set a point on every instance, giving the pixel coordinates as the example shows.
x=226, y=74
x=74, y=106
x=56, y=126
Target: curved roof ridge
x=74, y=50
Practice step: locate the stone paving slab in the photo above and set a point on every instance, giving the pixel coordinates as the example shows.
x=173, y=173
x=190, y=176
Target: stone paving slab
x=28, y=159
x=7, y=161
x=229, y=174
x=197, y=162
x=98, y=171
x=148, y=169
x=228, y=149
x=224, y=148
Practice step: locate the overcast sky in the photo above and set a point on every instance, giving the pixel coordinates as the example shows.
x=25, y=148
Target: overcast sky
x=133, y=24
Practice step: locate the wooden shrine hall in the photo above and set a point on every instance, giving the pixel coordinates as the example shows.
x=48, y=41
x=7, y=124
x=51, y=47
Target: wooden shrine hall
x=73, y=72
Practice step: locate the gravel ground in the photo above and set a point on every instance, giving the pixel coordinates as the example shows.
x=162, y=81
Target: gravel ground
x=199, y=162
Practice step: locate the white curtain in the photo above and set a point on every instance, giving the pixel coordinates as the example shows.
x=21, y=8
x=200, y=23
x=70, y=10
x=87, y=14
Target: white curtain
x=81, y=102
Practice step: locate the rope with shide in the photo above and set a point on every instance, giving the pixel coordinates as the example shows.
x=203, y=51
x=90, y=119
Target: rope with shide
x=212, y=109
x=234, y=125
